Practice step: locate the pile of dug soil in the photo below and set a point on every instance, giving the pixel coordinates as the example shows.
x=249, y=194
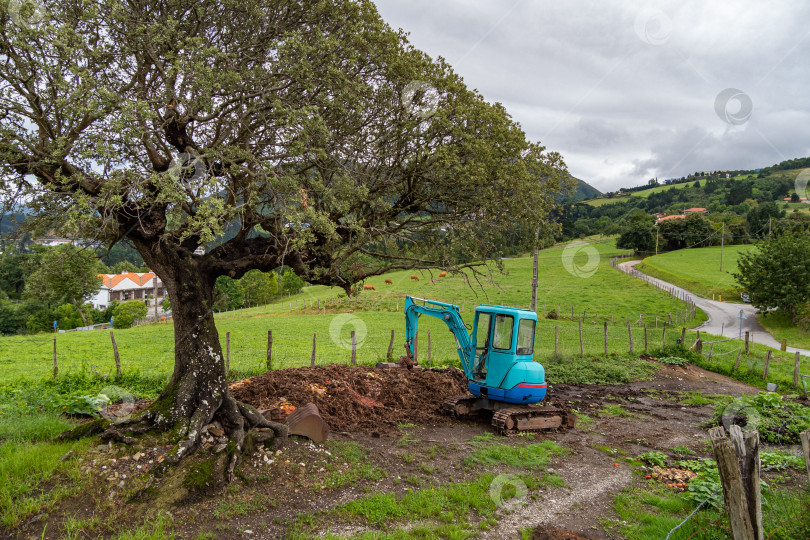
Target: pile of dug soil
x=357, y=398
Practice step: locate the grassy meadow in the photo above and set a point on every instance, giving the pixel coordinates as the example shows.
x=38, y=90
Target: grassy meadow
x=598, y=294
x=698, y=270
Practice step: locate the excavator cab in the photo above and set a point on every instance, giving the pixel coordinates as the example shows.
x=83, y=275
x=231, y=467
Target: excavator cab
x=504, y=367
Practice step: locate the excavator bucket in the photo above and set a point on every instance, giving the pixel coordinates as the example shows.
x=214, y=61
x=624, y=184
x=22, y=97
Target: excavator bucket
x=307, y=422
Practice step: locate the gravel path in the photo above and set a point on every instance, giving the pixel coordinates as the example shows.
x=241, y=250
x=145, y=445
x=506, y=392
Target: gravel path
x=724, y=317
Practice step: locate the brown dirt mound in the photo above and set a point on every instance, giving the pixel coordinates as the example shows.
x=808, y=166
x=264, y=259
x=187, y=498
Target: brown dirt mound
x=357, y=398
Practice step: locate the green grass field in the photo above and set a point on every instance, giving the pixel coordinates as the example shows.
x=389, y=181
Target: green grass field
x=647, y=192
x=602, y=202
x=698, y=270
x=597, y=291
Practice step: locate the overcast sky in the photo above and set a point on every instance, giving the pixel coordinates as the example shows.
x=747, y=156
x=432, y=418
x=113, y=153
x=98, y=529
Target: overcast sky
x=627, y=91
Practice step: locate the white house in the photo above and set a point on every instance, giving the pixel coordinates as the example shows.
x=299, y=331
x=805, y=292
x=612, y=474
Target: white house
x=128, y=286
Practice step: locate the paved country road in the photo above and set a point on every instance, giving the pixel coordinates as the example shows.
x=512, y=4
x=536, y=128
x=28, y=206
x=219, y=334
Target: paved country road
x=724, y=317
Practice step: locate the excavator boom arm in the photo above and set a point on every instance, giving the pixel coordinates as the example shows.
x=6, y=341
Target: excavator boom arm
x=451, y=316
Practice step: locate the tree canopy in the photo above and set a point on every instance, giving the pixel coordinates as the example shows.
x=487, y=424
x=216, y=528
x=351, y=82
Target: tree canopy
x=269, y=133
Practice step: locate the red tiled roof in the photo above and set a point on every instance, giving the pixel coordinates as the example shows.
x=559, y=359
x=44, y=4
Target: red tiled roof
x=111, y=280
x=676, y=216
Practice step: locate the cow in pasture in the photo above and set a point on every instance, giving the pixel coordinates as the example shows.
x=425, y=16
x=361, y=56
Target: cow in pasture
x=415, y=278
x=389, y=282
x=369, y=288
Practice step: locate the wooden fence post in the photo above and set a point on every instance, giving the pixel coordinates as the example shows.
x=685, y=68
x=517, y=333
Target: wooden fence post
x=796, y=370
x=767, y=365
x=117, y=358
x=55, y=365
x=556, y=340
x=732, y=481
x=784, y=345
x=683, y=336
x=645, y=338
x=606, y=339
x=711, y=351
x=630, y=337
x=227, y=352
x=805, y=436
x=746, y=343
x=314, y=343
x=269, y=350
x=581, y=345
x=390, y=346
x=737, y=363
x=664, y=337
x=572, y=313
x=354, y=349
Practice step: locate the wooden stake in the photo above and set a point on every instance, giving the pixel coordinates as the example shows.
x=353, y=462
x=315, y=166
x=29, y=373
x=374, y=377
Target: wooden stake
x=269, y=350
x=737, y=363
x=796, y=370
x=117, y=358
x=767, y=365
x=711, y=351
x=645, y=338
x=581, y=345
x=390, y=346
x=664, y=337
x=750, y=469
x=683, y=336
x=630, y=337
x=314, y=343
x=556, y=340
x=746, y=343
x=55, y=366
x=354, y=349
x=606, y=339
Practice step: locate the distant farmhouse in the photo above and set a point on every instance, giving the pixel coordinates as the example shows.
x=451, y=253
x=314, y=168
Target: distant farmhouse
x=128, y=286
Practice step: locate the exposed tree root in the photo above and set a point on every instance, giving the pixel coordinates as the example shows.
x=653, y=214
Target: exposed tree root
x=239, y=420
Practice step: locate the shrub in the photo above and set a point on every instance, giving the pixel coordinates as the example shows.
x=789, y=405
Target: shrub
x=125, y=313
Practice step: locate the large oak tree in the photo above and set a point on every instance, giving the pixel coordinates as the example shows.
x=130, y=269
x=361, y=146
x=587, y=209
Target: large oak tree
x=270, y=133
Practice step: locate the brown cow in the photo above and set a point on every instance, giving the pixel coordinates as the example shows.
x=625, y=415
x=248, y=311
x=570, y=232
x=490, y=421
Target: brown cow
x=443, y=274
x=416, y=278
x=369, y=288
x=389, y=282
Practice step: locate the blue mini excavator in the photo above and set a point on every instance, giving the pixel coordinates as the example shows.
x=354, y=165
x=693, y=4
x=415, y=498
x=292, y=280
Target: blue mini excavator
x=497, y=358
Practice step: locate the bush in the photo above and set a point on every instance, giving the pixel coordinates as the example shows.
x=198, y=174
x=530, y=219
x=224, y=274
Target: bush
x=125, y=313
x=552, y=315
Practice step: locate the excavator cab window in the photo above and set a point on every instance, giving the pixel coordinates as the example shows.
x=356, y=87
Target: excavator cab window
x=504, y=324
x=525, y=339
x=482, y=329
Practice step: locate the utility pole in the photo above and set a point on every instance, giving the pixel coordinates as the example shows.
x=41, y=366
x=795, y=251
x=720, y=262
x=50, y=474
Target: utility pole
x=534, y=273
x=722, y=245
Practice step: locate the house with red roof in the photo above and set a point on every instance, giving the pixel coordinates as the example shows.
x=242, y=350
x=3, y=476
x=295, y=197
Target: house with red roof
x=128, y=286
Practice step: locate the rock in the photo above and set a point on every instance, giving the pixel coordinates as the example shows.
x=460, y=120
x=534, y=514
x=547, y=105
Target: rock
x=220, y=447
x=68, y=455
x=137, y=456
x=121, y=484
x=215, y=431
